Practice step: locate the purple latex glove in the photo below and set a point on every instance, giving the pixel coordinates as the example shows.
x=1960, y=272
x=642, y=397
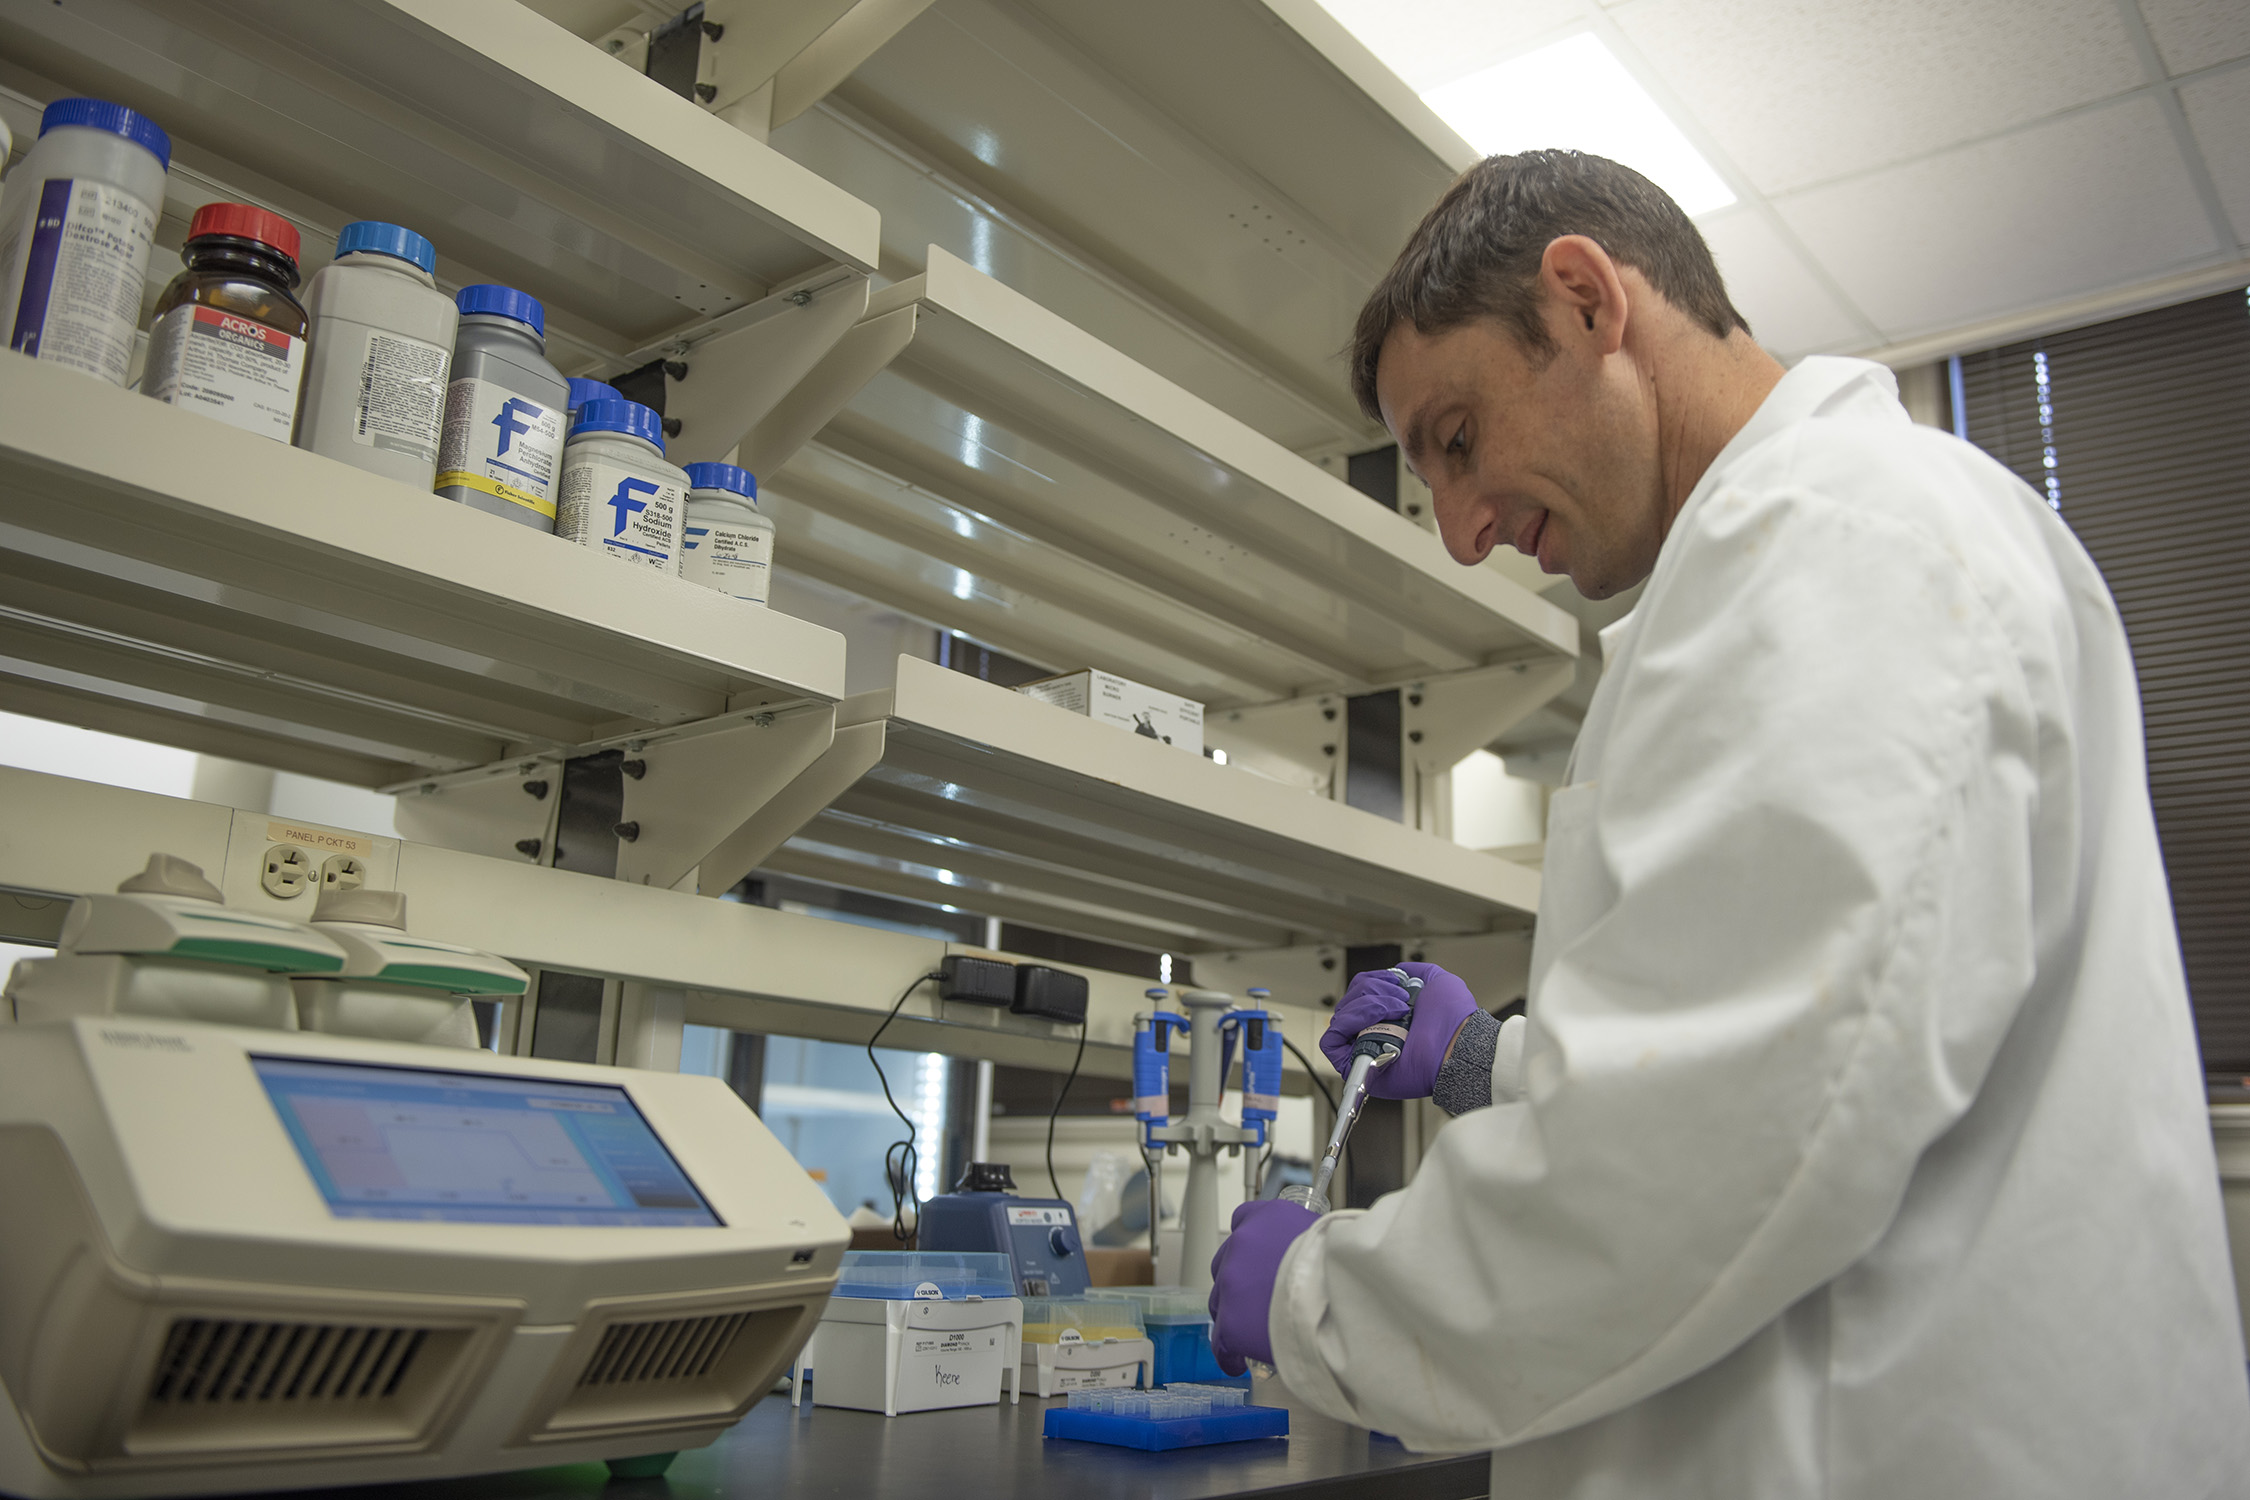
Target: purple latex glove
x=1376, y=995
x=1242, y=1277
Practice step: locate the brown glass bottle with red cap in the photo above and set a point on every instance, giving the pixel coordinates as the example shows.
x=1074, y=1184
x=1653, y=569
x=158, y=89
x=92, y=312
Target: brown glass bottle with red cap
x=229, y=335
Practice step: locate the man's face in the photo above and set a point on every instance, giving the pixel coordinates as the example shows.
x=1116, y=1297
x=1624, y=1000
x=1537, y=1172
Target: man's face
x=1558, y=460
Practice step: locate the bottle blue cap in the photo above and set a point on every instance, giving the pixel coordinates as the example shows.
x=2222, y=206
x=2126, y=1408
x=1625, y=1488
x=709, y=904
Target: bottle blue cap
x=583, y=390
x=502, y=302
x=96, y=114
x=375, y=238
x=628, y=417
x=723, y=477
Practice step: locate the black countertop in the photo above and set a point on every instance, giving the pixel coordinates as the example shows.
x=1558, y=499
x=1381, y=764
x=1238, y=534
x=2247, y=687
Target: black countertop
x=985, y=1453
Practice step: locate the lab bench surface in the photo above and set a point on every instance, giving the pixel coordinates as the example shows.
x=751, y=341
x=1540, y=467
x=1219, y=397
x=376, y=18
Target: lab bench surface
x=985, y=1453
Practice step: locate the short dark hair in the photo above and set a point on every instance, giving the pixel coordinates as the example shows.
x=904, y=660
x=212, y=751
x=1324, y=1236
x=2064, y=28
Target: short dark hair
x=1476, y=255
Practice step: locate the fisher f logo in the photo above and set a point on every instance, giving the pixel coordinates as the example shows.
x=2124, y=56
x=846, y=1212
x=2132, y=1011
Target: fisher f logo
x=515, y=419
x=630, y=499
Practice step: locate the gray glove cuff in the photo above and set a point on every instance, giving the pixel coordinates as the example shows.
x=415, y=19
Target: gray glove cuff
x=1465, y=1081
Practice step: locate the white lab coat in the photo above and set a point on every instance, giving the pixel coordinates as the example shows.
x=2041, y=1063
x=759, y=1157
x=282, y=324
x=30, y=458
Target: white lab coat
x=1855, y=1146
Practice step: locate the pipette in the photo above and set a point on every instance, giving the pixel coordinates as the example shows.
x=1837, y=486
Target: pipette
x=1373, y=1048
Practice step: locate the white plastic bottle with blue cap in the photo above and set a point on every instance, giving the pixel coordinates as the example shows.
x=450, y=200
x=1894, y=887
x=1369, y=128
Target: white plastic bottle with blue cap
x=75, y=226
x=582, y=391
x=727, y=543
x=502, y=448
x=619, y=496
x=382, y=354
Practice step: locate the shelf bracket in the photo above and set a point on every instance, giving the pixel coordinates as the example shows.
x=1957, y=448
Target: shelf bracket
x=862, y=353
x=792, y=55
x=1302, y=741
x=698, y=794
x=738, y=379
x=855, y=750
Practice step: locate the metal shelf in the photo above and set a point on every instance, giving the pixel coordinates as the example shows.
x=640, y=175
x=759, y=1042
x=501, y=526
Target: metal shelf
x=962, y=793
x=166, y=576
x=1011, y=476
x=1190, y=181
x=526, y=155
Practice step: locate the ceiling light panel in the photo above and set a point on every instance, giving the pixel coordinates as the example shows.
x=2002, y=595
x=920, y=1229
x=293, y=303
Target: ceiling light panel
x=1570, y=93
x=1576, y=93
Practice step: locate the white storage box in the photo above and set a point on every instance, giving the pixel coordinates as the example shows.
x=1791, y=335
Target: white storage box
x=1121, y=1364
x=1085, y=1344
x=1176, y=721
x=915, y=1331
x=880, y=1354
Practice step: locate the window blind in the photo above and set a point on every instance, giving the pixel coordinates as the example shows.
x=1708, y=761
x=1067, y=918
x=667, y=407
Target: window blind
x=2138, y=431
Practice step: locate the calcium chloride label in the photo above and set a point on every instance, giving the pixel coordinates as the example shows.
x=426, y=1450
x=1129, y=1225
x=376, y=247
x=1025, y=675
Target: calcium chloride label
x=500, y=444
x=229, y=367
x=625, y=514
x=402, y=394
x=83, y=268
x=732, y=559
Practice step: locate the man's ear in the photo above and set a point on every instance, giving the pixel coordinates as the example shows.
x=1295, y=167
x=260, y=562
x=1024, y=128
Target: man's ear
x=1578, y=277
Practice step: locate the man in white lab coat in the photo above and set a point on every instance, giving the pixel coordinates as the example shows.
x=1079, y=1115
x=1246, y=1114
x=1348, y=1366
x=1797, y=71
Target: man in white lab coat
x=1854, y=1145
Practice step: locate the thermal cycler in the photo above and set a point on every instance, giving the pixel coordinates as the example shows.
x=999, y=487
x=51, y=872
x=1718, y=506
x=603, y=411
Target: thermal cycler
x=238, y=1254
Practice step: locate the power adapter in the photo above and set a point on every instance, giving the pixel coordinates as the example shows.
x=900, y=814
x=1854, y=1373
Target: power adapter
x=1057, y=994
x=980, y=981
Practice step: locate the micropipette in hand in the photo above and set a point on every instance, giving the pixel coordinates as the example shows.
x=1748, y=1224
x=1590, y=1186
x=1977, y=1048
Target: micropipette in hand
x=1376, y=1047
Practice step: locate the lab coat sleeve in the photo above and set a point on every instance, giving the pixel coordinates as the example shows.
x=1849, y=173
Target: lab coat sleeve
x=1797, y=907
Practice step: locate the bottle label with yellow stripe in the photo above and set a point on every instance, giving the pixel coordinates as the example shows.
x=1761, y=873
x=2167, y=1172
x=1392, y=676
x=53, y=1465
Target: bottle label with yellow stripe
x=501, y=444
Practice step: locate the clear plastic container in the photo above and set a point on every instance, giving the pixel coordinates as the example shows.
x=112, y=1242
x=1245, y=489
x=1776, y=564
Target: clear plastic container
x=1162, y=1306
x=912, y=1275
x=1047, y=1319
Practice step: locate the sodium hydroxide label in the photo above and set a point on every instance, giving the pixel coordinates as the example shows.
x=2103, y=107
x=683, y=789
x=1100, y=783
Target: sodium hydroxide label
x=83, y=267
x=623, y=513
x=500, y=444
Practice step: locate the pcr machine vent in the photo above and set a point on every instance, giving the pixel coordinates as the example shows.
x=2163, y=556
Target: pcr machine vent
x=671, y=1349
x=211, y=1360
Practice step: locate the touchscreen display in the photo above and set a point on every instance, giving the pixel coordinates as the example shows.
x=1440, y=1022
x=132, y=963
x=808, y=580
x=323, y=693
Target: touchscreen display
x=476, y=1148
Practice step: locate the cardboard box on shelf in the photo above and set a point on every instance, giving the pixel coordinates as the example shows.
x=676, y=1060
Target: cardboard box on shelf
x=1176, y=721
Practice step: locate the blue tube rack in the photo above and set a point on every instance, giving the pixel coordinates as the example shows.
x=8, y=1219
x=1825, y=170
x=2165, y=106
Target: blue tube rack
x=1233, y=1424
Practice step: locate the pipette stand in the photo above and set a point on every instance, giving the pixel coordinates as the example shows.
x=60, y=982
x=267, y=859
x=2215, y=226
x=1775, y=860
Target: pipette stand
x=1202, y=1132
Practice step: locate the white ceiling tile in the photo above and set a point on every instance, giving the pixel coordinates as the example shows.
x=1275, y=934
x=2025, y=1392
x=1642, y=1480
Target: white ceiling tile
x=2096, y=199
x=1789, y=309
x=1431, y=42
x=2218, y=111
x=1800, y=91
x=2193, y=34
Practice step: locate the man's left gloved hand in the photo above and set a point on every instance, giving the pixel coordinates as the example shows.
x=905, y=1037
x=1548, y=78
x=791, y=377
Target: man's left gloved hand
x=1242, y=1278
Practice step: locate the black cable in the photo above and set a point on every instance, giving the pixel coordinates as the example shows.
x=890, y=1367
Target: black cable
x=902, y=1163
x=1052, y=1185
x=1310, y=1073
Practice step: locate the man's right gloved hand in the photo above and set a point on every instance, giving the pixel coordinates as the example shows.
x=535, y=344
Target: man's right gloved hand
x=1375, y=996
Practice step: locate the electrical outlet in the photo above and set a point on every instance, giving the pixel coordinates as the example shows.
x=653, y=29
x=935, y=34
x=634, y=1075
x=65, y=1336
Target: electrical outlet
x=288, y=871
x=343, y=872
